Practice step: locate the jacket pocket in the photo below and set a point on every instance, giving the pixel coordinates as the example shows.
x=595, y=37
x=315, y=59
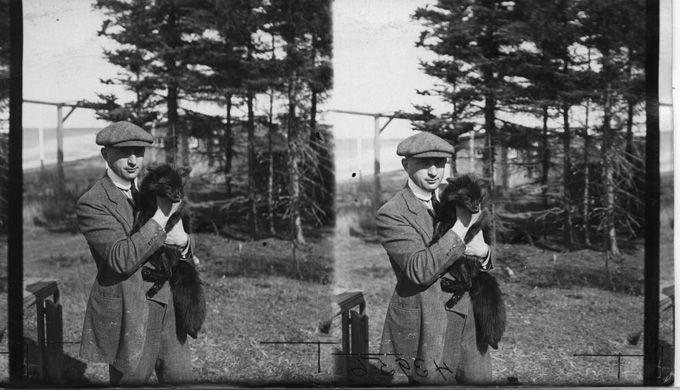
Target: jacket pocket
x=404, y=328
x=105, y=315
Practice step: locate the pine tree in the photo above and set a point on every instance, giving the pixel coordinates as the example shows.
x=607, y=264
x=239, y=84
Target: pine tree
x=155, y=41
x=303, y=29
x=553, y=29
x=476, y=42
x=609, y=28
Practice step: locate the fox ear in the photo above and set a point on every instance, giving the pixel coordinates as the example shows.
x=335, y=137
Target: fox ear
x=152, y=170
x=483, y=183
x=454, y=183
x=451, y=180
x=184, y=171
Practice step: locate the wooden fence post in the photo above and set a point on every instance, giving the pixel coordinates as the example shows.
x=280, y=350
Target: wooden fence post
x=55, y=341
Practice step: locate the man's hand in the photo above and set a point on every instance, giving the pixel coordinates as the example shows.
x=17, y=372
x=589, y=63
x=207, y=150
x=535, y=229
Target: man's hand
x=165, y=209
x=464, y=219
x=177, y=236
x=477, y=247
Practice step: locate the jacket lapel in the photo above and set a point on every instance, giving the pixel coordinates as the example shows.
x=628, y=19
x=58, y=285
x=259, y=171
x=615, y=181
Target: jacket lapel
x=123, y=207
x=419, y=213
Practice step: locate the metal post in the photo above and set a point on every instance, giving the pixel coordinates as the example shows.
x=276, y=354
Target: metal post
x=60, y=152
x=377, y=191
x=60, y=137
x=41, y=142
x=359, y=159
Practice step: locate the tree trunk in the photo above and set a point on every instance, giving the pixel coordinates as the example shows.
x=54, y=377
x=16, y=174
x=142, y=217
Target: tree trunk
x=171, y=148
x=252, y=206
x=586, y=172
x=270, y=178
x=631, y=150
x=293, y=169
x=609, y=200
x=503, y=165
x=568, y=228
x=180, y=136
x=210, y=148
x=490, y=125
x=610, y=280
x=631, y=160
x=312, y=115
x=314, y=138
x=545, y=157
x=454, y=166
x=586, y=180
x=185, y=159
x=228, y=149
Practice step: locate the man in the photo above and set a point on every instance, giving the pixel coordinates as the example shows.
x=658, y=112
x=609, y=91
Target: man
x=123, y=328
x=430, y=342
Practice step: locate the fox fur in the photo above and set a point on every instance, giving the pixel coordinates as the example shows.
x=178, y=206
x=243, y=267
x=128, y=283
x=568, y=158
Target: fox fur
x=183, y=277
x=487, y=299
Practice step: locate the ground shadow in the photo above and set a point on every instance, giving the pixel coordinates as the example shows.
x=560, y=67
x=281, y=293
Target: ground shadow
x=73, y=370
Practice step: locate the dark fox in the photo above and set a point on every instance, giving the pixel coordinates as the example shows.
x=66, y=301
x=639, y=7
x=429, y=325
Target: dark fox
x=464, y=191
x=487, y=299
x=186, y=286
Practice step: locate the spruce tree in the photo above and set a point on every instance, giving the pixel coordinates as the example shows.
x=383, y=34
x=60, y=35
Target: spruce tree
x=476, y=42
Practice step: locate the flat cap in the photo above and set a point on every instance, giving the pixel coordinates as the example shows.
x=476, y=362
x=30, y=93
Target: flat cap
x=423, y=145
x=122, y=134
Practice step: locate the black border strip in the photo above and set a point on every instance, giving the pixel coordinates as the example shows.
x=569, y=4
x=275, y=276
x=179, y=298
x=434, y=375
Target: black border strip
x=652, y=209
x=15, y=236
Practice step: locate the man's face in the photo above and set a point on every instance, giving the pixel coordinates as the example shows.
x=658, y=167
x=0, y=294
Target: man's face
x=125, y=162
x=426, y=172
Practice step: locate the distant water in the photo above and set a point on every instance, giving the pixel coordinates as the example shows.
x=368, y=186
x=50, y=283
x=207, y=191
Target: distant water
x=357, y=156
x=78, y=144
x=351, y=155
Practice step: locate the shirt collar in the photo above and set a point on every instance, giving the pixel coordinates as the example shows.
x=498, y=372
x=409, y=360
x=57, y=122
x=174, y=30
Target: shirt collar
x=421, y=193
x=119, y=181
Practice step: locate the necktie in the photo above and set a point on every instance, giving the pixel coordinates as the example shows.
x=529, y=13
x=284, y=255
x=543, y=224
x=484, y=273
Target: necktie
x=135, y=193
x=130, y=194
x=434, y=202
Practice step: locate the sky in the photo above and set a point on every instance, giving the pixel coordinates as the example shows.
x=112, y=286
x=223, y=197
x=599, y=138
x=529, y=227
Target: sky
x=376, y=63
x=63, y=60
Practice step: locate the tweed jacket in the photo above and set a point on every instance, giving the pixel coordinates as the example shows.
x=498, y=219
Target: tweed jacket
x=117, y=310
x=416, y=319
